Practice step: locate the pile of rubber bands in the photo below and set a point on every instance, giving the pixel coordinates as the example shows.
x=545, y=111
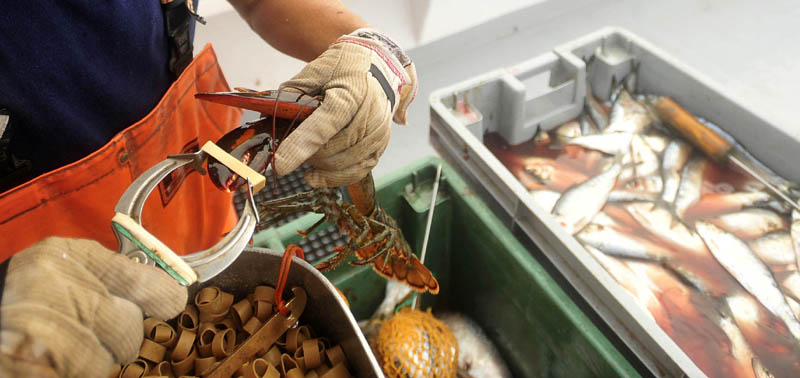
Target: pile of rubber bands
x=209, y=330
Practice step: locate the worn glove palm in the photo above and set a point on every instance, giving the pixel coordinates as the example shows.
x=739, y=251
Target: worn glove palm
x=72, y=308
x=366, y=81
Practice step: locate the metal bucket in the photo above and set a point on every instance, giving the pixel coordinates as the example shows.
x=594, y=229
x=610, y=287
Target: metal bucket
x=325, y=311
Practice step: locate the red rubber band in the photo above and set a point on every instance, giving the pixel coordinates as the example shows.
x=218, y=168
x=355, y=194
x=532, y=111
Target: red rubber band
x=283, y=275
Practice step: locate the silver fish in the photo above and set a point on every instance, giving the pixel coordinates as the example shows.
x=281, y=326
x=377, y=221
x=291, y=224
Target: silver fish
x=579, y=204
x=729, y=202
x=619, y=244
x=650, y=184
x=657, y=141
x=588, y=126
x=546, y=199
x=611, y=143
x=746, y=199
x=676, y=154
x=642, y=294
x=750, y=223
x=739, y=348
x=691, y=185
x=737, y=258
x=790, y=283
x=774, y=248
x=567, y=131
x=628, y=115
x=631, y=196
x=659, y=221
x=395, y=293
x=595, y=110
x=642, y=161
x=779, y=206
x=477, y=356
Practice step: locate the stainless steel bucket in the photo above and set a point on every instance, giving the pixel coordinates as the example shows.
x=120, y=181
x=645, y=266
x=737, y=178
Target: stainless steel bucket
x=325, y=311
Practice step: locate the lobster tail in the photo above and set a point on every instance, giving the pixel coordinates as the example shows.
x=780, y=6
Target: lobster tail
x=409, y=270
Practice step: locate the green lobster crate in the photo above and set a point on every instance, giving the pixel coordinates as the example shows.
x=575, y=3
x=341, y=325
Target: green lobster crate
x=483, y=272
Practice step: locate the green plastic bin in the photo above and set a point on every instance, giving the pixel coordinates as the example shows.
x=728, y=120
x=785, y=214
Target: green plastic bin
x=483, y=272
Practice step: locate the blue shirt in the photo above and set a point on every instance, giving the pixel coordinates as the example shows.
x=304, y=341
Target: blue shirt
x=73, y=73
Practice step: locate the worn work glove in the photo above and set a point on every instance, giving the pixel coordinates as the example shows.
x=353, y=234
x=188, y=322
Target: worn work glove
x=73, y=308
x=367, y=81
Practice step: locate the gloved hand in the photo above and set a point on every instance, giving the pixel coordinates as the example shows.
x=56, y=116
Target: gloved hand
x=72, y=308
x=366, y=81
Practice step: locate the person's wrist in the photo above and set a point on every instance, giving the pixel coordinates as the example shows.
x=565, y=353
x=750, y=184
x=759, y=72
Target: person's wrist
x=387, y=42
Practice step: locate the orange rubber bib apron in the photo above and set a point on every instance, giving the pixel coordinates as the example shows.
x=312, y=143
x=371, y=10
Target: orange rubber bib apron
x=186, y=211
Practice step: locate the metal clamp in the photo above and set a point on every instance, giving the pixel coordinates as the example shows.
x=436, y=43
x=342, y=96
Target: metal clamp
x=137, y=243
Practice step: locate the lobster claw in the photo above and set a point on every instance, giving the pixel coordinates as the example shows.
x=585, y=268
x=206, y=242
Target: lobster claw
x=251, y=144
x=278, y=103
x=254, y=143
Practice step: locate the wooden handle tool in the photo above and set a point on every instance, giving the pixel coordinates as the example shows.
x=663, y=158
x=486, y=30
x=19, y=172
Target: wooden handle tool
x=698, y=134
x=710, y=142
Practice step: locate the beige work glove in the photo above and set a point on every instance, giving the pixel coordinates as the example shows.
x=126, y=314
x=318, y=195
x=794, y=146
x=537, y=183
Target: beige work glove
x=72, y=308
x=366, y=81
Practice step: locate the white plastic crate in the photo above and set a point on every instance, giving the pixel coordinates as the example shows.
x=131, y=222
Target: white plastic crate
x=513, y=102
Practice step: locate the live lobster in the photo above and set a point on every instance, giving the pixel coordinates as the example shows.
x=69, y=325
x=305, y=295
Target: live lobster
x=372, y=234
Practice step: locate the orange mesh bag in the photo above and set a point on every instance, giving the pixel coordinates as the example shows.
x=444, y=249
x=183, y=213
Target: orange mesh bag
x=414, y=344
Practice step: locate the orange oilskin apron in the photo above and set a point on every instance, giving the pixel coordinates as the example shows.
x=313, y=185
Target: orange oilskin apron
x=186, y=211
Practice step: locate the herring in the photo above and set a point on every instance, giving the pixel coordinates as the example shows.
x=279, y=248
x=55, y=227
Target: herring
x=750, y=223
x=642, y=160
x=659, y=221
x=615, y=243
x=595, y=110
x=631, y=196
x=639, y=289
x=610, y=143
x=737, y=258
x=676, y=154
x=691, y=185
x=656, y=141
x=628, y=115
x=579, y=204
x=567, y=131
x=774, y=248
x=477, y=356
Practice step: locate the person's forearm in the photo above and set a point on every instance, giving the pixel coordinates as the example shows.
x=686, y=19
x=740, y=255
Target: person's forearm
x=301, y=29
